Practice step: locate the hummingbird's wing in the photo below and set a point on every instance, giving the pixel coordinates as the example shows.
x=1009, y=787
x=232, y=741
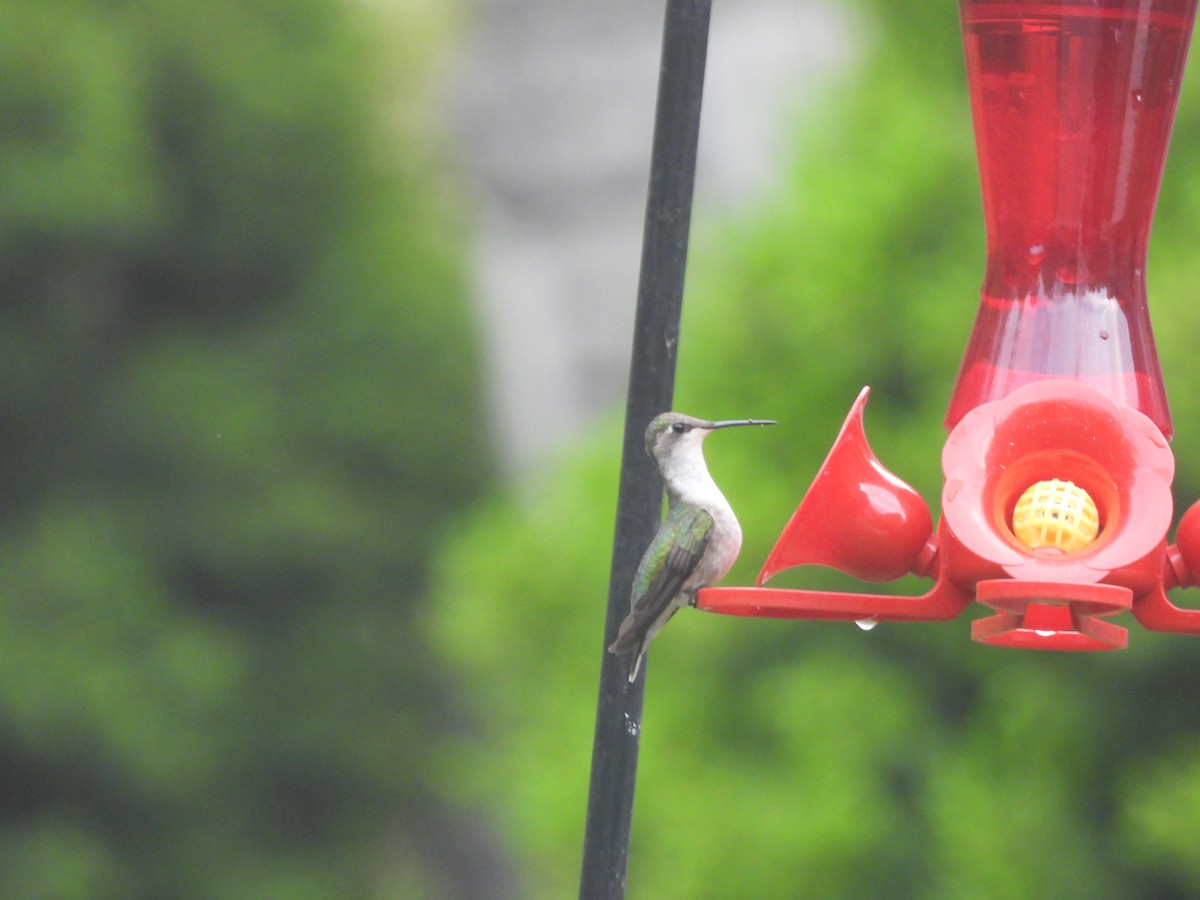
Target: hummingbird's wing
x=671, y=557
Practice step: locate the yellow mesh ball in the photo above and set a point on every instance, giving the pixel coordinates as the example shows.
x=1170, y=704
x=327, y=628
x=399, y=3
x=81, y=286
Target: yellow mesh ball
x=1057, y=514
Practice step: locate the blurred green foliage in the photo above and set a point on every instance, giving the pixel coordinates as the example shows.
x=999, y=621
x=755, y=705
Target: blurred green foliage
x=234, y=306
x=785, y=759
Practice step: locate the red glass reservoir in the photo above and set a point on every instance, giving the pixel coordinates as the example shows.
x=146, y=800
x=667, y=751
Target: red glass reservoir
x=1073, y=105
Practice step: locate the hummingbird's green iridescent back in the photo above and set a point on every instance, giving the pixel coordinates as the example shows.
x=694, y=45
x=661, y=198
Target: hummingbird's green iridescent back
x=683, y=534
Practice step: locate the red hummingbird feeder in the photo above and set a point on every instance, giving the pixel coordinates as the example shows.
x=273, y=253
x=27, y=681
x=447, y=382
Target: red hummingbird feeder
x=1057, y=471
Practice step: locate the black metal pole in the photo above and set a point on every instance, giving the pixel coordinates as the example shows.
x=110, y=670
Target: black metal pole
x=651, y=388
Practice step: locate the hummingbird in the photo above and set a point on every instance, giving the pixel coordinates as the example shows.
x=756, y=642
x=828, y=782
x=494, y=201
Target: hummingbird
x=696, y=543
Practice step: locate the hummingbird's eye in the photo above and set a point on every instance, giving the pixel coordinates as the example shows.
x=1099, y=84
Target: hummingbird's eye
x=679, y=428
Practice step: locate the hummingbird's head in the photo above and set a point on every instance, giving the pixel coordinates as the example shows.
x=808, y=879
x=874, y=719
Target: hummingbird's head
x=672, y=433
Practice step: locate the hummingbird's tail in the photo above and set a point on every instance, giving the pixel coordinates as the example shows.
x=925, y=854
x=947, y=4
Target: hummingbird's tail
x=629, y=641
x=626, y=641
x=639, y=653
x=637, y=663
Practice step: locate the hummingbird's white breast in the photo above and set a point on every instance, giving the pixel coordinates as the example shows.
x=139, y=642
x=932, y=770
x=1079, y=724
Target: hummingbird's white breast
x=688, y=481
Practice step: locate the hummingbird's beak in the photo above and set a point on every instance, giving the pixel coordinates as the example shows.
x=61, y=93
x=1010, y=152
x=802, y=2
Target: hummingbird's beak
x=727, y=423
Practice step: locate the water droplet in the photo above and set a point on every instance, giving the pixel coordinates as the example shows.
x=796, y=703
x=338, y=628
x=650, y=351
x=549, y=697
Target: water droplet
x=1138, y=98
x=1036, y=254
x=1041, y=633
x=632, y=725
x=866, y=624
x=1104, y=335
